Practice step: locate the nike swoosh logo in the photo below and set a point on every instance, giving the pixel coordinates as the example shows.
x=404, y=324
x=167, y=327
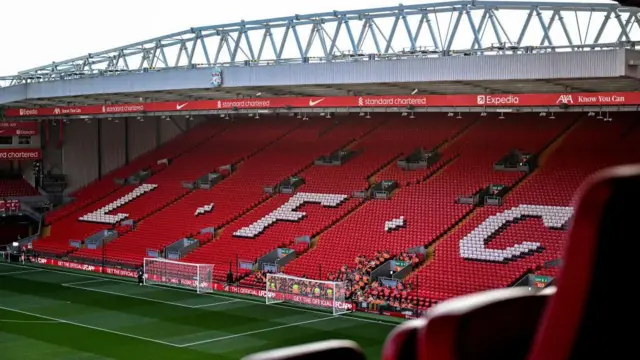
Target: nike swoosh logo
x=314, y=103
x=179, y=106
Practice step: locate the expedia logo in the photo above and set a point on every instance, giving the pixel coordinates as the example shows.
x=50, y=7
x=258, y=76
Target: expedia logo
x=25, y=132
x=28, y=112
x=498, y=100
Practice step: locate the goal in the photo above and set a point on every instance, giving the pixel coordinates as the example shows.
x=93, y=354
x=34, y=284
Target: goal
x=314, y=293
x=180, y=274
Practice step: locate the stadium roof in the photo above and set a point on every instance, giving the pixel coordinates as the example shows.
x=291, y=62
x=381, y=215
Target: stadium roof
x=426, y=30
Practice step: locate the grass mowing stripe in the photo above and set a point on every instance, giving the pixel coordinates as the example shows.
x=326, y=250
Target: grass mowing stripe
x=256, y=301
x=88, y=326
x=74, y=285
x=257, y=331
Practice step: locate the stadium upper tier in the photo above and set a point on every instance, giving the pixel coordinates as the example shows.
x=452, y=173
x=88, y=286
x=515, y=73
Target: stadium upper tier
x=489, y=198
x=438, y=29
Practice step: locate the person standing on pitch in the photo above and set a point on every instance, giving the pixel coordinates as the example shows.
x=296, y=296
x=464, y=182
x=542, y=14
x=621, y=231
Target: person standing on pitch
x=140, y=276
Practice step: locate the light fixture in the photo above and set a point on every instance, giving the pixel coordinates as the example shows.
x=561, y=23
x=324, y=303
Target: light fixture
x=328, y=115
x=415, y=91
x=501, y=116
x=450, y=114
x=361, y=114
x=599, y=116
x=368, y=116
x=459, y=115
x=483, y=114
x=403, y=114
x=542, y=114
x=591, y=113
x=412, y=116
x=552, y=116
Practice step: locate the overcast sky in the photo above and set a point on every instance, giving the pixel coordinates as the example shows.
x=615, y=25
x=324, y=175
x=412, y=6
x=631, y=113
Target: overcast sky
x=37, y=32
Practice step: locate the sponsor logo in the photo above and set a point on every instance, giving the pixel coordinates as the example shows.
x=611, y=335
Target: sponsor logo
x=392, y=101
x=28, y=112
x=591, y=99
x=24, y=132
x=63, y=111
x=244, y=104
x=216, y=77
x=314, y=103
x=122, y=108
x=180, y=106
x=19, y=154
x=565, y=99
x=498, y=100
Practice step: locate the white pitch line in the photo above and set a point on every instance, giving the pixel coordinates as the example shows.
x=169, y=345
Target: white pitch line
x=256, y=331
x=20, y=272
x=127, y=295
x=89, y=326
x=85, y=282
x=256, y=302
x=30, y=321
x=215, y=304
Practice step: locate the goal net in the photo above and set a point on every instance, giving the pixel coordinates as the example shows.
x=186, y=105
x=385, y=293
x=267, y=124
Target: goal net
x=180, y=274
x=314, y=293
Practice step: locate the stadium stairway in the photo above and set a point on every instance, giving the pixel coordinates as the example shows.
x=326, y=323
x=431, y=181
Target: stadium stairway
x=429, y=208
x=588, y=147
x=173, y=222
x=105, y=186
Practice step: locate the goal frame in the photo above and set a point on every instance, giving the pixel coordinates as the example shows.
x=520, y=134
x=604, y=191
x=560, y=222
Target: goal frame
x=201, y=269
x=270, y=296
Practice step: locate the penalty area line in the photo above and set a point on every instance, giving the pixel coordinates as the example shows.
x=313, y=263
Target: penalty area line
x=256, y=331
x=89, y=326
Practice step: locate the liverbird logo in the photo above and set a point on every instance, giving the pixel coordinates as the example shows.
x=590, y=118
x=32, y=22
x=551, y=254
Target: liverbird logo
x=56, y=111
x=219, y=104
x=360, y=101
x=216, y=77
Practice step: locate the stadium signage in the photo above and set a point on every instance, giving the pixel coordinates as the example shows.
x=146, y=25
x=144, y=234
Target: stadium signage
x=24, y=128
x=468, y=100
x=20, y=154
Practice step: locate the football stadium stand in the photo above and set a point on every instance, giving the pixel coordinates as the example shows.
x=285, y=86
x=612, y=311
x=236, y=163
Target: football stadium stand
x=381, y=177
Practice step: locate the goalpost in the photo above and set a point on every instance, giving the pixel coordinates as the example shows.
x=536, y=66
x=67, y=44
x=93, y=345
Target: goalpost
x=180, y=274
x=308, y=292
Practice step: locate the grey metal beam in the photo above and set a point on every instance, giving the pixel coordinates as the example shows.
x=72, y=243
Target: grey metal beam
x=323, y=46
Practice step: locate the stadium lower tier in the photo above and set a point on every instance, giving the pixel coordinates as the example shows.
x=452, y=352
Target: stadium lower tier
x=484, y=201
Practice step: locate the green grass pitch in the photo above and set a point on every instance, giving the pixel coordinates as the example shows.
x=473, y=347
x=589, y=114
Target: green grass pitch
x=54, y=314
